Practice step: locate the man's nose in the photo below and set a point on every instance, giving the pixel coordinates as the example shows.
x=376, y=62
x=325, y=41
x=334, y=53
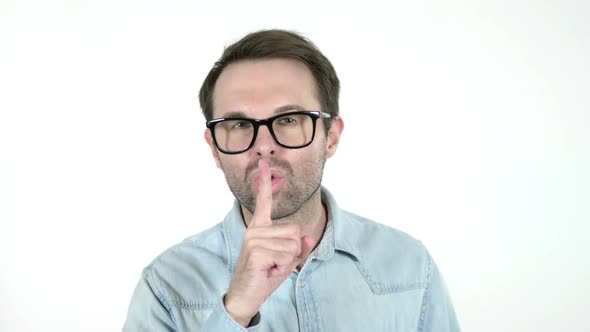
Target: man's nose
x=264, y=144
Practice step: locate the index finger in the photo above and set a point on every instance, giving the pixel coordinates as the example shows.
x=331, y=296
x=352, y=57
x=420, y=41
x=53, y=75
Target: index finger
x=262, y=212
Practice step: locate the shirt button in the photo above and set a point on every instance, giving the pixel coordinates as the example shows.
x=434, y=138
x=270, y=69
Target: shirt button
x=301, y=284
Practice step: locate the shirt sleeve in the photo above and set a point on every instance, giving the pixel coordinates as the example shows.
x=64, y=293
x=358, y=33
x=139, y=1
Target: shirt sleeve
x=148, y=310
x=438, y=313
x=220, y=320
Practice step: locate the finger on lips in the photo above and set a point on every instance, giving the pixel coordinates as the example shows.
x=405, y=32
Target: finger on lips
x=262, y=213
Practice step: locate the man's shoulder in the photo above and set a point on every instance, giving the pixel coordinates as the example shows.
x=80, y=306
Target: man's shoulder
x=194, y=253
x=375, y=234
x=392, y=259
x=190, y=273
x=193, y=248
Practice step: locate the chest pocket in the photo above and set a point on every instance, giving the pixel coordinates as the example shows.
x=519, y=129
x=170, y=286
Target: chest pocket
x=353, y=297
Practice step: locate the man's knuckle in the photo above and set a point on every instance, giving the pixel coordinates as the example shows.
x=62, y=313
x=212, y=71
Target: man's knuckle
x=294, y=229
x=292, y=246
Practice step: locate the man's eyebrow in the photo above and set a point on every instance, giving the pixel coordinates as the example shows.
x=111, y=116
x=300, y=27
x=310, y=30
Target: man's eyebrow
x=235, y=114
x=282, y=109
x=290, y=107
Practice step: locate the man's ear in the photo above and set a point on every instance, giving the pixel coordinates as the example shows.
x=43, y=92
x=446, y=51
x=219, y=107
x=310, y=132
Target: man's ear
x=334, y=136
x=214, y=151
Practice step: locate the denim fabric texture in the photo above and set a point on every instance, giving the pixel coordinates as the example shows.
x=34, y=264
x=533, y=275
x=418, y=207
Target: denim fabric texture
x=363, y=276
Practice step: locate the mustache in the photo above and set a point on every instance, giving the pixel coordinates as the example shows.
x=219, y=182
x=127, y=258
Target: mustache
x=273, y=163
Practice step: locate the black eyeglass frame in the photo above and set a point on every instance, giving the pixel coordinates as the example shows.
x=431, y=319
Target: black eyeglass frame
x=315, y=115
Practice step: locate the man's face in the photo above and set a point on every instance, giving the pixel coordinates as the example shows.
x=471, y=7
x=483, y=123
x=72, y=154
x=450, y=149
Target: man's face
x=259, y=89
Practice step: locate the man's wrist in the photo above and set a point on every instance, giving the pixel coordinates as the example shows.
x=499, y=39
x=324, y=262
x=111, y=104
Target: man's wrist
x=233, y=310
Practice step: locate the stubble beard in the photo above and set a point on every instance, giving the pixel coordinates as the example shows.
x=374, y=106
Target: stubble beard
x=295, y=192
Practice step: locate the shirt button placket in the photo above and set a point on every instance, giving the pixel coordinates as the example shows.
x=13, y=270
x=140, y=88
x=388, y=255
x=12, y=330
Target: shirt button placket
x=306, y=306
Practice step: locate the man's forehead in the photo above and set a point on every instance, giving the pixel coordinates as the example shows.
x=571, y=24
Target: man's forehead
x=277, y=111
x=253, y=72
x=272, y=85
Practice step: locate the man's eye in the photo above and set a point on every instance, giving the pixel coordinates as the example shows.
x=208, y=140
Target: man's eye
x=287, y=121
x=241, y=125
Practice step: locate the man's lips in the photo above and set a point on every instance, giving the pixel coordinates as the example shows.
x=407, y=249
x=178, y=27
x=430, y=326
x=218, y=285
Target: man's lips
x=276, y=180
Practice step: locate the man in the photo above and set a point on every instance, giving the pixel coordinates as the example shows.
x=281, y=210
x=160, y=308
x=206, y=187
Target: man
x=286, y=257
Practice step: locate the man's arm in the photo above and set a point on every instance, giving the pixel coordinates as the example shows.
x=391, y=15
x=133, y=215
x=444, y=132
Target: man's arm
x=438, y=313
x=147, y=311
x=269, y=254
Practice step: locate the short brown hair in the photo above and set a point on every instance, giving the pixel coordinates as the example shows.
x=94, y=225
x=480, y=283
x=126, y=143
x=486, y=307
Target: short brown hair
x=276, y=44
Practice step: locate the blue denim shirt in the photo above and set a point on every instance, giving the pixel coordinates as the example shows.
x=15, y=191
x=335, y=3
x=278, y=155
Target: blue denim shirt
x=363, y=276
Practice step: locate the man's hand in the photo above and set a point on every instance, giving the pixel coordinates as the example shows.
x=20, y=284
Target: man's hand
x=269, y=255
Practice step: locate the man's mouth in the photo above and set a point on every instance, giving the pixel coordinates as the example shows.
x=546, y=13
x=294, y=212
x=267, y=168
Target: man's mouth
x=275, y=179
x=276, y=182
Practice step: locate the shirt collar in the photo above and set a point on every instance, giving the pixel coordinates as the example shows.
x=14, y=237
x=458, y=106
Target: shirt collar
x=338, y=235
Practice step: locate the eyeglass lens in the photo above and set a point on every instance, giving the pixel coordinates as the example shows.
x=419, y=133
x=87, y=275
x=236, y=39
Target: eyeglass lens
x=293, y=130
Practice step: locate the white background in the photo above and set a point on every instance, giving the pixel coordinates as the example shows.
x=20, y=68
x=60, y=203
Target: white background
x=467, y=126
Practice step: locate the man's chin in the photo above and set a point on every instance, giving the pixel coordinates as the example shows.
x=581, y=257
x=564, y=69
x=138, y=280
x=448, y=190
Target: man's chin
x=281, y=217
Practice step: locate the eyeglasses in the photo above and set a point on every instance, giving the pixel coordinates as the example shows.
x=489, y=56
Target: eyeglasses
x=291, y=130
